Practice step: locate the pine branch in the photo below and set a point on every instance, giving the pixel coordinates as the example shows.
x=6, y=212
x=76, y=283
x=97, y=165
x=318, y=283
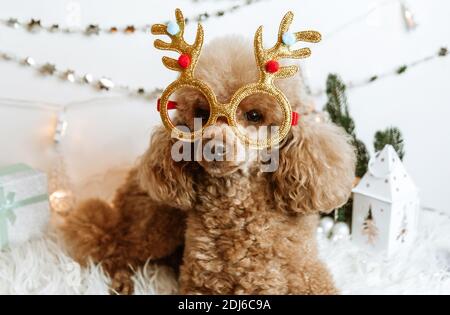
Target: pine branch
x=363, y=157
x=338, y=110
x=337, y=105
x=344, y=213
x=391, y=136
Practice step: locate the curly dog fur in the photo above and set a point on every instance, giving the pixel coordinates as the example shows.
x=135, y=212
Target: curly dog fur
x=238, y=230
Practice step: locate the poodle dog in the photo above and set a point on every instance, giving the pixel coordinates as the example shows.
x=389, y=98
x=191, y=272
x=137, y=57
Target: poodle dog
x=226, y=226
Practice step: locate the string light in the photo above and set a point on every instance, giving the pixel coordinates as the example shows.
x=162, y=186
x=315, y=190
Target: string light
x=35, y=25
x=61, y=127
x=61, y=196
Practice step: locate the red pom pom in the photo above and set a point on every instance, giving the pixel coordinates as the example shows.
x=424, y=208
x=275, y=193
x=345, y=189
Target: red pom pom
x=184, y=61
x=170, y=105
x=295, y=117
x=272, y=66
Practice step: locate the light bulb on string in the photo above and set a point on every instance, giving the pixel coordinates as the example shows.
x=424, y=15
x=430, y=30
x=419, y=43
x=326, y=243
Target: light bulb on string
x=61, y=197
x=408, y=16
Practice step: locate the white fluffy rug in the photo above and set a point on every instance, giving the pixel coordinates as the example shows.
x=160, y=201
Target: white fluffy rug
x=42, y=267
x=423, y=269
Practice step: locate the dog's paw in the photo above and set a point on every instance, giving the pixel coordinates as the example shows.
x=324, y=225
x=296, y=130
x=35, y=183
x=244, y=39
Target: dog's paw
x=121, y=283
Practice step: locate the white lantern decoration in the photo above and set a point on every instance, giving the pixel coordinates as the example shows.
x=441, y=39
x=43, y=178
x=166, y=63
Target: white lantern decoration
x=385, y=205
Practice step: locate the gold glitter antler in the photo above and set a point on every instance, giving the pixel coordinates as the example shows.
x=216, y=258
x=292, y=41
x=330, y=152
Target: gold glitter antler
x=269, y=68
x=189, y=53
x=267, y=58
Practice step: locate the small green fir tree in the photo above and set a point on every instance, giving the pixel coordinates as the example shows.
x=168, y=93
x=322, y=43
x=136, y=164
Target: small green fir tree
x=391, y=136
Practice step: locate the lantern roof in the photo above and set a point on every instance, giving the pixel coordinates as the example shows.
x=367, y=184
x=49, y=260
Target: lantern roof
x=386, y=178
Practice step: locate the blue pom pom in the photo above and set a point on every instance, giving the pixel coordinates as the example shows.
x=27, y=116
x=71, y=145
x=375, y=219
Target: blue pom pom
x=289, y=39
x=173, y=28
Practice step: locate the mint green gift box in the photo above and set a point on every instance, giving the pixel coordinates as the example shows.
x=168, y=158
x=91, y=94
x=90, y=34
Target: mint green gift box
x=24, y=207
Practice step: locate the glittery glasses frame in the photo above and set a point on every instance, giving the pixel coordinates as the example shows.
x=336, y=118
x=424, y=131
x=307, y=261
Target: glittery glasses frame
x=267, y=63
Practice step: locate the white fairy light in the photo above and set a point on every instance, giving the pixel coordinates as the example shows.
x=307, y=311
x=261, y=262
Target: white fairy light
x=61, y=127
x=408, y=17
x=61, y=197
x=61, y=201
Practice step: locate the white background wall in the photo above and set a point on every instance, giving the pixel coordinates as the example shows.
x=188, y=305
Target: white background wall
x=112, y=130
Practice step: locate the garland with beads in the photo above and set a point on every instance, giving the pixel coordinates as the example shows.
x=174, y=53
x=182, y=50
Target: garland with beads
x=34, y=25
x=103, y=83
x=99, y=83
x=397, y=71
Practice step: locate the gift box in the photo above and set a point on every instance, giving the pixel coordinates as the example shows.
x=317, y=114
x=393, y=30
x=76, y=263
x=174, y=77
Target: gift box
x=24, y=206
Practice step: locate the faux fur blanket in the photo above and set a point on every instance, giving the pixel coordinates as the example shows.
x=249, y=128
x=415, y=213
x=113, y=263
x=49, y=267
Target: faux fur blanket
x=42, y=267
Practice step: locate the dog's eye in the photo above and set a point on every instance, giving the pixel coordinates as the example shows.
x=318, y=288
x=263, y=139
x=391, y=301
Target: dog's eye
x=253, y=116
x=201, y=113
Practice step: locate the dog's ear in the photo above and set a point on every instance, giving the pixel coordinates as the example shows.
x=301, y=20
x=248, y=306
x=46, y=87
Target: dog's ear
x=316, y=168
x=166, y=181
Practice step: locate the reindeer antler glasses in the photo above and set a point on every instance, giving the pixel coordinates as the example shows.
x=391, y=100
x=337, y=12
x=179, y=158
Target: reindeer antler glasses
x=267, y=63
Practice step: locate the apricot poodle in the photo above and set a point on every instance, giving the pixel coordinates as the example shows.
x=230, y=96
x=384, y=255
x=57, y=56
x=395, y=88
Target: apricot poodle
x=227, y=227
